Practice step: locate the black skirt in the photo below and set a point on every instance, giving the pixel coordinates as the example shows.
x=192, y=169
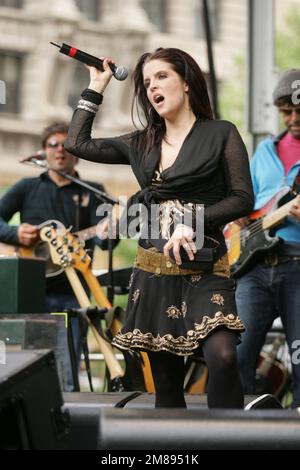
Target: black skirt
x=175, y=313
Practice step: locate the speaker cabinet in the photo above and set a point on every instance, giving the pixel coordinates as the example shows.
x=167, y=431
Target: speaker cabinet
x=22, y=285
x=31, y=413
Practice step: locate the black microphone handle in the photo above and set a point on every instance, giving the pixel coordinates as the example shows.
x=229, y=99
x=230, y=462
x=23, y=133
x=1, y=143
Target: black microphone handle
x=85, y=57
x=120, y=73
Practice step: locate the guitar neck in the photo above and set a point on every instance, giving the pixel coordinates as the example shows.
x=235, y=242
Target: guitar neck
x=96, y=289
x=274, y=218
x=115, y=370
x=87, y=233
x=116, y=325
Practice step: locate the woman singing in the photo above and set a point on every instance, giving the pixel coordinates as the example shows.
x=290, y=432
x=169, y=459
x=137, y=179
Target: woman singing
x=181, y=299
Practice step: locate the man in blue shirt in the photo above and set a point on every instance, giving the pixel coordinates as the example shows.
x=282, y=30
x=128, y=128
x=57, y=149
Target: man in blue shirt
x=271, y=288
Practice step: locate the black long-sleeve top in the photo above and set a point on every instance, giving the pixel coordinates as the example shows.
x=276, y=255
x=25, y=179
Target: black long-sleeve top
x=211, y=168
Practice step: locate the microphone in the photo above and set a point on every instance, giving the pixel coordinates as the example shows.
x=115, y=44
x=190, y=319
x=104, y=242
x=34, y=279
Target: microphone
x=39, y=156
x=120, y=73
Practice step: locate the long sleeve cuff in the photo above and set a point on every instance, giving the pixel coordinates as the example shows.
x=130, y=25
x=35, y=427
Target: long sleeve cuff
x=9, y=234
x=92, y=95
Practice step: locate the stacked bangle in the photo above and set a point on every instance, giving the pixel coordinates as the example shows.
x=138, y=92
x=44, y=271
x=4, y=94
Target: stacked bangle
x=88, y=106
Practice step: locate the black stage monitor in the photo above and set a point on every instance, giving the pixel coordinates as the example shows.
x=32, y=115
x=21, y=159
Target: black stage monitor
x=31, y=413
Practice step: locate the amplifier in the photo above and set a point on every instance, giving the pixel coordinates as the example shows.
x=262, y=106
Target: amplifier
x=22, y=285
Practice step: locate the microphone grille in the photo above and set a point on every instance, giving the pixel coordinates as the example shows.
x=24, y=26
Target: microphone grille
x=41, y=155
x=121, y=73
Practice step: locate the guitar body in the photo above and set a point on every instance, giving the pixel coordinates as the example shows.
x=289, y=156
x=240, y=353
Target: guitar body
x=275, y=381
x=247, y=245
x=39, y=250
x=246, y=253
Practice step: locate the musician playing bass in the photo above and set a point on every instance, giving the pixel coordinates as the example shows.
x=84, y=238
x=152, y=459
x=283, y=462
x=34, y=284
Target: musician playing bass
x=51, y=196
x=270, y=288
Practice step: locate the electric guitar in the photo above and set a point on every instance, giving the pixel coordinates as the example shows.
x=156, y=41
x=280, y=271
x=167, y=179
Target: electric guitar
x=41, y=249
x=271, y=375
x=246, y=245
x=60, y=252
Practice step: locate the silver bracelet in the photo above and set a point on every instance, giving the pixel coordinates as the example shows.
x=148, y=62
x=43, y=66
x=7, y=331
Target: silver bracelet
x=88, y=106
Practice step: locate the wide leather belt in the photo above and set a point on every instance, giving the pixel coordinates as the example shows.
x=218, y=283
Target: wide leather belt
x=155, y=262
x=273, y=258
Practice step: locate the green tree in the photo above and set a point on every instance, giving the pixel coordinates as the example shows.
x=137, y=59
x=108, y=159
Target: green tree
x=287, y=54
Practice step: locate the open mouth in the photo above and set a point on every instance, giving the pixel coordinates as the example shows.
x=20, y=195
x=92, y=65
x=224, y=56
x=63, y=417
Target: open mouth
x=158, y=99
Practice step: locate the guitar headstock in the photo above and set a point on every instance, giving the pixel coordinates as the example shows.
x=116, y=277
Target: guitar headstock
x=65, y=249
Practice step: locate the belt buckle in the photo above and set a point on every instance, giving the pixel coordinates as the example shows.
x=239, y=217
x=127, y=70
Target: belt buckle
x=271, y=259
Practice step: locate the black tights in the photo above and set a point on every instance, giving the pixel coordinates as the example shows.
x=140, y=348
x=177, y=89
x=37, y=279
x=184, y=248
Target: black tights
x=224, y=389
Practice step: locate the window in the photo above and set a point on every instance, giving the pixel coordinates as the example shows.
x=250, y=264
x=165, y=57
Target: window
x=10, y=74
x=79, y=82
x=213, y=10
x=90, y=8
x=11, y=3
x=156, y=11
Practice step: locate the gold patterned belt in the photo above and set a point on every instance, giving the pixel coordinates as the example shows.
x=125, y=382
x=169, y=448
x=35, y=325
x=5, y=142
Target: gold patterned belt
x=155, y=262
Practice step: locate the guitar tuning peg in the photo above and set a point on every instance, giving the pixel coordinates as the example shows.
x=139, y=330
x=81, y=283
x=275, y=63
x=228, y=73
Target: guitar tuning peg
x=53, y=225
x=54, y=242
x=48, y=234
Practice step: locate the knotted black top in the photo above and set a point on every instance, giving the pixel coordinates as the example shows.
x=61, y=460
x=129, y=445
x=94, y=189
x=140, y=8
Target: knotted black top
x=211, y=167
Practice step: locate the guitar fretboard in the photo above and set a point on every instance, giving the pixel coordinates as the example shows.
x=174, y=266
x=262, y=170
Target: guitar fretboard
x=277, y=216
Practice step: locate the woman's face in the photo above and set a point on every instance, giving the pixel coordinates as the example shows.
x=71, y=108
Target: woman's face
x=166, y=90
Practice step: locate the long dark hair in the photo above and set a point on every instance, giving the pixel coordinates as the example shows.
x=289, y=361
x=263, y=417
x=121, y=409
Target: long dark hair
x=183, y=64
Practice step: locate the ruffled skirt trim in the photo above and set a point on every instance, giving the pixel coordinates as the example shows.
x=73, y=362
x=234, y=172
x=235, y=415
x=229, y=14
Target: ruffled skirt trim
x=182, y=345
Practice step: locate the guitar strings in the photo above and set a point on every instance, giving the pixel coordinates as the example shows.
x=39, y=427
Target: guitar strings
x=242, y=234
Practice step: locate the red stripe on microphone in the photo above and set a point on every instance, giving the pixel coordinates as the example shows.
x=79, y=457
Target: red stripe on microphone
x=72, y=52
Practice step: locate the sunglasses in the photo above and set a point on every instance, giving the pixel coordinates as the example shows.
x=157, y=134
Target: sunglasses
x=53, y=144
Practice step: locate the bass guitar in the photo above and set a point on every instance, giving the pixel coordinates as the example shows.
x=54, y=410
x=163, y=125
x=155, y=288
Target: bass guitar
x=246, y=245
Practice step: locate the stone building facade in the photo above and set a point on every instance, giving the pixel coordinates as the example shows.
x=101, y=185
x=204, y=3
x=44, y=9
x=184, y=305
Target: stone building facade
x=43, y=85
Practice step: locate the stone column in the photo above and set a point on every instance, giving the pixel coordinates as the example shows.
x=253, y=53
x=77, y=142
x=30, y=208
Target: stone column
x=45, y=73
x=55, y=8
x=129, y=14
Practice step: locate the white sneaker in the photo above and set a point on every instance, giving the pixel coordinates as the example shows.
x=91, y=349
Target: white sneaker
x=266, y=401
